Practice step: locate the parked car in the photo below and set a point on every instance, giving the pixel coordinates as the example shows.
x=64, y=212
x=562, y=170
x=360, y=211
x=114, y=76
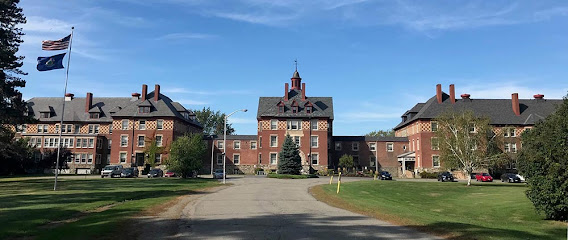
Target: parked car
x=521, y=177
x=510, y=177
x=484, y=177
x=170, y=174
x=384, y=175
x=111, y=171
x=156, y=172
x=129, y=172
x=445, y=177
x=218, y=174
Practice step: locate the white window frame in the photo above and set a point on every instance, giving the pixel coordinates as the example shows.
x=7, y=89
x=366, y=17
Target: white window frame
x=237, y=155
x=316, y=158
x=355, y=146
x=141, y=124
x=513, y=147
x=299, y=142
x=312, y=141
x=437, y=146
x=77, y=158
x=90, y=158
x=418, y=144
x=219, y=159
x=253, y=145
x=275, y=142
x=439, y=163
x=123, y=143
x=274, y=124
x=160, y=124
x=83, y=158
x=391, y=144
x=294, y=125
x=120, y=154
x=109, y=144
x=91, y=143
x=432, y=124
x=237, y=144
x=373, y=146
x=94, y=128
x=161, y=142
x=143, y=140
x=125, y=121
x=220, y=144
x=275, y=158
x=314, y=123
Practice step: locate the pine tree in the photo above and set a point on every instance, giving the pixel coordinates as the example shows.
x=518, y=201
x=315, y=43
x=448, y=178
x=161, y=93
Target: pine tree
x=289, y=160
x=12, y=107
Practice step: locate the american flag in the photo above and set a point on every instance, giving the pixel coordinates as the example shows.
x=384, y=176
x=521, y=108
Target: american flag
x=60, y=44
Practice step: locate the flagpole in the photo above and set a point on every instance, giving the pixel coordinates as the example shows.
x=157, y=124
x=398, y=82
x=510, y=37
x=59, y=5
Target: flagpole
x=63, y=111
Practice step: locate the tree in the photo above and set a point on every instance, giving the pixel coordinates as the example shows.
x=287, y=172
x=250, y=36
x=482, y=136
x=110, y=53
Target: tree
x=381, y=133
x=12, y=107
x=151, y=150
x=543, y=161
x=346, y=161
x=15, y=156
x=49, y=159
x=212, y=122
x=289, y=160
x=466, y=142
x=186, y=155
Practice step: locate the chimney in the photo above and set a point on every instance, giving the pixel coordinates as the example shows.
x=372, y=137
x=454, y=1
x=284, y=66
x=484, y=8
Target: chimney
x=135, y=96
x=303, y=91
x=452, y=93
x=439, y=93
x=88, y=102
x=515, y=102
x=286, y=92
x=157, y=93
x=538, y=97
x=144, y=92
x=69, y=97
x=465, y=96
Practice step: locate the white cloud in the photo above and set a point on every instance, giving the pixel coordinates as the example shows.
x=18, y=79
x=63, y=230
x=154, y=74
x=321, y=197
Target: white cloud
x=183, y=36
x=46, y=25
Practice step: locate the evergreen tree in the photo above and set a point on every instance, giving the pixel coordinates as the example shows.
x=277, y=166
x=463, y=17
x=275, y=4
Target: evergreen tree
x=289, y=160
x=12, y=107
x=543, y=161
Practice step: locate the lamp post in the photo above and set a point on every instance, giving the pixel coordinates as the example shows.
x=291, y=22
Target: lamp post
x=225, y=141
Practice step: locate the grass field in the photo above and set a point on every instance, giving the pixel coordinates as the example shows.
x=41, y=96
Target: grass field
x=82, y=208
x=452, y=210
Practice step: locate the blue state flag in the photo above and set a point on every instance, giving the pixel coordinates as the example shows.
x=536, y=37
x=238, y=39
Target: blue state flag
x=50, y=63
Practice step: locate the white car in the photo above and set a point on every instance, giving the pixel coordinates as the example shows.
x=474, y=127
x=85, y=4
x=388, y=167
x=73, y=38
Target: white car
x=218, y=174
x=111, y=171
x=521, y=177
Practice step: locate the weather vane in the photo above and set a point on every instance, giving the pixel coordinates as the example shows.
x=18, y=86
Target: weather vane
x=296, y=64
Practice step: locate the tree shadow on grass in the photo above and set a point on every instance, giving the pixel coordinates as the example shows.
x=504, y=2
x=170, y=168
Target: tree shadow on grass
x=471, y=231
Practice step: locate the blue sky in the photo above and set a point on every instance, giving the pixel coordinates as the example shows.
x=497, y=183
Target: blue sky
x=375, y=58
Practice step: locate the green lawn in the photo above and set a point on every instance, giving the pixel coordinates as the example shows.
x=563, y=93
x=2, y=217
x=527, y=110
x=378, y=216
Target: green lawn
x=482, y=211
x=92, y=207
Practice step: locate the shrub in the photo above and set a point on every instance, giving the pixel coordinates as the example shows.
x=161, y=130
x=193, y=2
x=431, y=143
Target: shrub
x=428, y=175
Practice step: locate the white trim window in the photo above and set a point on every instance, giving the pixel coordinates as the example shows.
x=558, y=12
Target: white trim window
x=273, y=124
x=77, y=158
x=110, y=128
x=159, y=140
x=219, y=159
x=124, y=124
x=94, y=128
x=314, y=141
x=236, y=159
x=141, y=141
x=158, y=158
x=273, y=141
x=273, y=158
x=253, y=145
x=435, y=161
x=83, y=158
x=294, y=124
x=90, y=158
x=390, y=147
x=109, y=143
x=141, y=124
x=160, y=124
x=297, y=140
x=337, y=146
x=513, y=147
x=355, y=146
x=315, y=158
x=21, y=128
x=434, y=126
x=373, y=146
x=122, y=157
x=314, y=125
x=236, y=144
x=435, y=143
x=91, y=142
x=42, y=128
x=124, y=141
x=220, y=144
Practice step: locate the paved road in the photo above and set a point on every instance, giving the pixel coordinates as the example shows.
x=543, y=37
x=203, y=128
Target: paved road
x=262, y=208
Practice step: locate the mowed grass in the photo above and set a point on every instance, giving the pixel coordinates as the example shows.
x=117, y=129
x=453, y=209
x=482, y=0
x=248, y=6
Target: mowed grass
x=452, y=210
x=82, y=208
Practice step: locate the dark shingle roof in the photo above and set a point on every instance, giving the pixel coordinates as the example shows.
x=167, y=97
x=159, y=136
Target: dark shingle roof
x=322, y=106
x=369, y=139
x=499, y=111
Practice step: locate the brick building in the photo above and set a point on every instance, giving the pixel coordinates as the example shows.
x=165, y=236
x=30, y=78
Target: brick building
x=510, y=116
x=106, y=130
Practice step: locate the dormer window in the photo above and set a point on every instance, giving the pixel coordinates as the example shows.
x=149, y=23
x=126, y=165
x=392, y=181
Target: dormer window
x=143, y=109
x=94, y=115
x=309, y=107
x=294, y=107
x=45, y=114
x=280, y=107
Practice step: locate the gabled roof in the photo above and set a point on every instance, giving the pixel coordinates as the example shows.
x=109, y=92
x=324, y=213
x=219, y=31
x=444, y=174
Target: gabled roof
x=499, y=111
x=322, y=106
x=369, y=139
x=75, y=109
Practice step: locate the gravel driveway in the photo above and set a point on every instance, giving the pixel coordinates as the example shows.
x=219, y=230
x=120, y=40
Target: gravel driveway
x=263, y=208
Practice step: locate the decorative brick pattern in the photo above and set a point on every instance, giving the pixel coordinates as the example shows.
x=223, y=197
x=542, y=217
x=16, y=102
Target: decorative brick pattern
x=83, y=129
x=322, y=125
x=168, y=124
x=32, y=128
x=103, y=129
x=265, y=124
x=51, y=128
x=116, y=125
x=282, y=125
x=151, y=125
x=305, y=125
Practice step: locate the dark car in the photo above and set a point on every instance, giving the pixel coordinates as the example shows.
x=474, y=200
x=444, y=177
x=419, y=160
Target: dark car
x=510, y=177
x=445, y=177
x=384, y=175
x=129, y=172
x=156, y=172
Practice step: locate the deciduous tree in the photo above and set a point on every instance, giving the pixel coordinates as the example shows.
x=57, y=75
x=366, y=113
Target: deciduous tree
x=186, y=155
x=381, y=133
x=346, y=161
x=466, y=142
x=543, y=161
x=212, y=122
